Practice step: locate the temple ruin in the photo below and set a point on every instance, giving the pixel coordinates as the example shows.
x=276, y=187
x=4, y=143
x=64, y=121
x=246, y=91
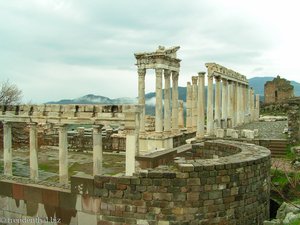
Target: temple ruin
x=179, y=172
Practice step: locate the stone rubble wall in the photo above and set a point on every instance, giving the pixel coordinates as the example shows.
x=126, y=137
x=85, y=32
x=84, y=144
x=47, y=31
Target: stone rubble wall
x=229, y=190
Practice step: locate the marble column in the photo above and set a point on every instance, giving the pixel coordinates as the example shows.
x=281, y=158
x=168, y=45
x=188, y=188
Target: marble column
x=175, y=101
x=238, y=104
x=230, y=102
x=252, y=105
x=201, y=106
x=158, y=103
x=234, y=98
x=210, y=110
x=141, y=87
x=180, y=115
x=243, y=104
x=257, y=107
x=132, y=147
x=97, y=150
x=167, y=97
x=189, y=91
x=33, y=149
x=224, y=102
x=194, y=102
x=218, y=101
x=7, y=148
x=63, y=154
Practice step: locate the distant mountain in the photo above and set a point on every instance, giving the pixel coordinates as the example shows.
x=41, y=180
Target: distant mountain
x=257, y=83
x=95, y=99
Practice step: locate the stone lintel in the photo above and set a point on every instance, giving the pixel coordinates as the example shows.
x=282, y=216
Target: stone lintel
x=215, y=69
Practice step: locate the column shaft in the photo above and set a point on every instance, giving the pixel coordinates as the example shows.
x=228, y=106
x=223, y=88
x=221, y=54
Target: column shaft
x=194, y=103
x=189, y=106
x=180, y=114
x=252, y=104
x=33, y=142
x=210, y=111
x=224, y=101
x=230, y=102
x=175, y=101
x=167, y=97
x=7, y=148
x=97, y=150
x=201, y=106
x=63, y=154
x=257, y=107
x=218, y=101
x=158, y=103
x=141, y=87
x=238, y=104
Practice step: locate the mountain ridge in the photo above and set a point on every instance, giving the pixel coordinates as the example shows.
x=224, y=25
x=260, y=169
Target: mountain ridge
x=256, y=82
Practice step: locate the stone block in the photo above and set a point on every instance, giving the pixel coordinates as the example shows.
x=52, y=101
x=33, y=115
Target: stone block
x=17, y=206
x=67, y=200
x=32, y=194
x=82, y=184
x=6, y=189
x=50, y=197
x=229, y=132
x=249, y=134
x=235, y=134
x=220, y=133
x=85, y=218
x=18, y=191
x=256, y=132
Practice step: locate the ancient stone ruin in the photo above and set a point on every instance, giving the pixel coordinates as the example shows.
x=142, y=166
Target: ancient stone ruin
x=178, y=173
x=278, y=90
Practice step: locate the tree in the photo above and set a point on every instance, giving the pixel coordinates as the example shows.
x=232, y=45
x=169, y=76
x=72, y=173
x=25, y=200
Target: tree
x=10, y=94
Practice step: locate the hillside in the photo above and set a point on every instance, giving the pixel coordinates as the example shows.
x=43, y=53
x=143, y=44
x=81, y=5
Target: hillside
x=257, y=83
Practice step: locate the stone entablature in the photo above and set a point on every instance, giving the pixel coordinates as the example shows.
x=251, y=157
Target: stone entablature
x=70, y=114
x=162, y=58
x=217, y=70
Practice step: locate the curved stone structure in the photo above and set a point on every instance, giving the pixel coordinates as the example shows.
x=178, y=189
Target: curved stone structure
x=225, y=183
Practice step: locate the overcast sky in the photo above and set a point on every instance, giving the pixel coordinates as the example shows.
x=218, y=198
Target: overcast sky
x=55, y=49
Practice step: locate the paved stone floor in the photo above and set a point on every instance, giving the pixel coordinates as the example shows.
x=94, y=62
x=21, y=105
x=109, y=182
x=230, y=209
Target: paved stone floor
x=267, y=130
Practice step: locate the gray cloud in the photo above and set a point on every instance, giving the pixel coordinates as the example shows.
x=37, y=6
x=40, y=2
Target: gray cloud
x=79, y=47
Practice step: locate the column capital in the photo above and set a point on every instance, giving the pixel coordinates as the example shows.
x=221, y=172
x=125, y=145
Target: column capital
x=194, y=80
x=201, y=74
x=188, y=83
x=230, y=81
x=158, y=72
x=217, y=78
x=224, y=80
x=97, y=128
x=175, y=75
x=141, y=72
x=167, y=73
x=6, y=123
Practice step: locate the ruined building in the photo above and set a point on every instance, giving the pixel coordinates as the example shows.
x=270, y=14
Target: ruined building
x=278, y=90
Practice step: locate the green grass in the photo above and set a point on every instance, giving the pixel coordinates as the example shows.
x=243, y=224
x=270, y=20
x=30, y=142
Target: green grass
x=296, y=222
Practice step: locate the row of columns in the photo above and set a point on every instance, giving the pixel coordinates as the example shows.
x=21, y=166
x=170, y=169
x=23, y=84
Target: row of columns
x=231, y=104
x=166, y=121
x=63, y=151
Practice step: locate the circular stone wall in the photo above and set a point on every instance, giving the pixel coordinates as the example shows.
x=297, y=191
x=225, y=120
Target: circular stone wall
x=233, y=189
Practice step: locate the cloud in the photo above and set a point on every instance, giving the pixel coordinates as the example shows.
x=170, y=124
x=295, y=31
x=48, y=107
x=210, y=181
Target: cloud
x=57, y=49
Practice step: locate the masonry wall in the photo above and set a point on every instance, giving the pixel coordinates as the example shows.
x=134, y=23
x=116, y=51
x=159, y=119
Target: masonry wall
x=234, y=189
x=278, y=90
